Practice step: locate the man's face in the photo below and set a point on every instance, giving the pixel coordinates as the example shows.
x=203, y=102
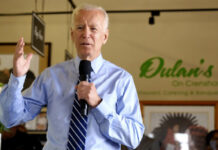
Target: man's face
x=89, y=33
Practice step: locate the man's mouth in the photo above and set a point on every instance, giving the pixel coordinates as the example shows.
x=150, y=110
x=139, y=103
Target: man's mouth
x=85, y=44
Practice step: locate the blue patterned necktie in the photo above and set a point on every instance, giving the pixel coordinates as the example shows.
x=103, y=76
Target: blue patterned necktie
x=78, y=128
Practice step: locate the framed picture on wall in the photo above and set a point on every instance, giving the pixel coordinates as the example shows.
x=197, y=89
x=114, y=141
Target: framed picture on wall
x=172, y=123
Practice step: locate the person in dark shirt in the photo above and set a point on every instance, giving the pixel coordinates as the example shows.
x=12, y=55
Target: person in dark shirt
x=212, y=140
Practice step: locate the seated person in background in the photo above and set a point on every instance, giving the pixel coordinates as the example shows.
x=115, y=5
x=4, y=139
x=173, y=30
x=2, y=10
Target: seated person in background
x=197, y=135
x=212, y=140
x=5, y=75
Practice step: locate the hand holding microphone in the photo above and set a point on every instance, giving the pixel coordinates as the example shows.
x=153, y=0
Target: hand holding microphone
x=86, y=92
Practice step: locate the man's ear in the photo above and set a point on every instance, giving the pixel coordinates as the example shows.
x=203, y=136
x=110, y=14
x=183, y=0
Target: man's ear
x=72, y=32
x=106, y=36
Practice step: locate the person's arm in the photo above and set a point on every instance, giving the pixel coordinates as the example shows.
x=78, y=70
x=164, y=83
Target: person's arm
x=17, y=107
x=123, y=125
x=10, y=103
x=11, y=100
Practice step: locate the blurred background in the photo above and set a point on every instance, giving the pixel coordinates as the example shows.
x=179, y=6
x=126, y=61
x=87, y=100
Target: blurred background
x=170, y=47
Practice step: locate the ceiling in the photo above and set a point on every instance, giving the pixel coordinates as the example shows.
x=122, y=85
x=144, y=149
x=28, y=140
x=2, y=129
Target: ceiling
x=150, y=4
x=14, y=6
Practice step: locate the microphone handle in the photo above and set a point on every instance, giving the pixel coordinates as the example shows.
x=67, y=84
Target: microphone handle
x=84, y=107
x=83, y=104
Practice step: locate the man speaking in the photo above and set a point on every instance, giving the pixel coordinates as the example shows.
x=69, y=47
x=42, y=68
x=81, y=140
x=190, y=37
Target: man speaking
x=112, y=113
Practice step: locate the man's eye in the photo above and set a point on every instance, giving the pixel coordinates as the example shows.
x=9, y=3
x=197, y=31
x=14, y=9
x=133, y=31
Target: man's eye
x=79, y=28
x=94, y=29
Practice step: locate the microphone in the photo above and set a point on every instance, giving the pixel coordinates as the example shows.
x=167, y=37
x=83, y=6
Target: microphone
x=84, y=75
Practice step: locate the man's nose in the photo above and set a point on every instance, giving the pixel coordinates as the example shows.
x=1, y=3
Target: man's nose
x=86, y=32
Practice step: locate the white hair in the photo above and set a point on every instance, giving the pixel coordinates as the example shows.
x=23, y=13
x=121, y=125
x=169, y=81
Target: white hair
x=92, y=7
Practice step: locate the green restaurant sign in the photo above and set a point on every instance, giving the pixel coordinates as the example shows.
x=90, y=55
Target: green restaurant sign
x=177, y=80
x=155, y=67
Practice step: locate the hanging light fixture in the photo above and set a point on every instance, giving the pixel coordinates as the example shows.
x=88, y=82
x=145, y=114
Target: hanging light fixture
x=151, y=18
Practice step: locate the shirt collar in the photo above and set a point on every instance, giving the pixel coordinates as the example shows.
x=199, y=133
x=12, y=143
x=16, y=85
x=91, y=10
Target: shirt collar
x=96, y=63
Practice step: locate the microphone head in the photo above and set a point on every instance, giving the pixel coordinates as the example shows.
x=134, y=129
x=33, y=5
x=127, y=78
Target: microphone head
x=85, y=67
